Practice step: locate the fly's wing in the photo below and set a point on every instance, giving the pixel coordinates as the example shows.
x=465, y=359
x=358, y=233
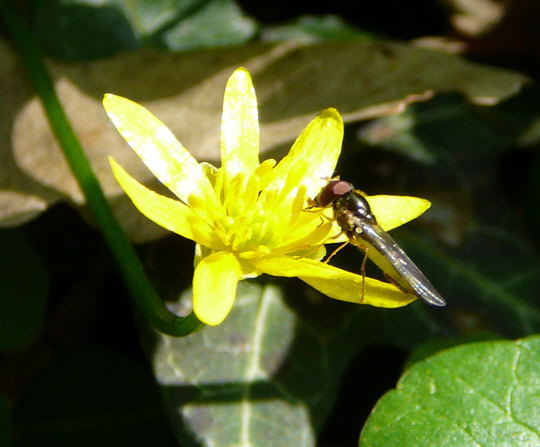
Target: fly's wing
x=384, y=251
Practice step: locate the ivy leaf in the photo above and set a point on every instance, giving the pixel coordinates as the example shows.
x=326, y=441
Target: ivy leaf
x=222, y=21
x=267, y=376
x=484, y=393
x=81, y=30
x=314, y=28
x=84, y=29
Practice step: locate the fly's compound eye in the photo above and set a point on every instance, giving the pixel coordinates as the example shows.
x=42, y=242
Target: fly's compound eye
x=332, y=191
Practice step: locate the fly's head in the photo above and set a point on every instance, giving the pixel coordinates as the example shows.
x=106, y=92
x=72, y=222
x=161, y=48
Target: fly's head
x=333, y=191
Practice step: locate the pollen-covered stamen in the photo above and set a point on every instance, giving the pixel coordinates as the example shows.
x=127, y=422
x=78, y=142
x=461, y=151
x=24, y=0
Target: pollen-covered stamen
x=234, y=200
x=264, y=171
x=200, y=208
x=247, y=224
x=257, y=214
x=218, y=185
x=252, y=191
x=297, y=172
x=251, y=231
x=298, y=204
x=307, y=240
x=280, y=192
x=239, y=233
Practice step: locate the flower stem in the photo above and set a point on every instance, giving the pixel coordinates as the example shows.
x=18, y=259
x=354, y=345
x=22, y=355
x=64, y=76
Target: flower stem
x=144, y=294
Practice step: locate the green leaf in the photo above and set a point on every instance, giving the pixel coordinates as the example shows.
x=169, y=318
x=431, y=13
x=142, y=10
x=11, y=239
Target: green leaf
x=478, y=394
x=435, y=345
x=81, y=29
x=228, y=385
x=311, y=28
x=219, y=23
x=84, y=29
x=261, y=378
x=148, y=17
x=416, y=133
x=24, y=286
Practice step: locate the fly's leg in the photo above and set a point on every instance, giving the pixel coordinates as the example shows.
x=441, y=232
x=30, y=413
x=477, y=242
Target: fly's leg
x=314, y=208
x=335, y=252
x=363, y=271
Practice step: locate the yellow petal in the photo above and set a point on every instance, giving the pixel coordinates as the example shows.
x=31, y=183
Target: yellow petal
x=214, y=286
x=393, y=211
x=239, y=125
x=318, y=146
x=337, y=283
x=168, y=213
x=158, y=148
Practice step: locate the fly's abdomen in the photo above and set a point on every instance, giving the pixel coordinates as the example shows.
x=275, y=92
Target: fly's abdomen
x=394, y=262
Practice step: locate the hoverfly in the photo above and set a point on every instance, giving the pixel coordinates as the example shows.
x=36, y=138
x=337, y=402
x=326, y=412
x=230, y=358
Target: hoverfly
x=353, y=214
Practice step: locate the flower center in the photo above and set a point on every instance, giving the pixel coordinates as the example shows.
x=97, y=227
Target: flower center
x=261, y=209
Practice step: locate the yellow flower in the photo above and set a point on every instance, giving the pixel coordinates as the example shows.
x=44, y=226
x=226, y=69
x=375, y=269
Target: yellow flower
x=246, y=217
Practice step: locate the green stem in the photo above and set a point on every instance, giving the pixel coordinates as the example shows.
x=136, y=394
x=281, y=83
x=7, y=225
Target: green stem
x=146, y=298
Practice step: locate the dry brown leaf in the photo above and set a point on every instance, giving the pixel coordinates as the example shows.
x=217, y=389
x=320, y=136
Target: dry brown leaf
x=293, y=82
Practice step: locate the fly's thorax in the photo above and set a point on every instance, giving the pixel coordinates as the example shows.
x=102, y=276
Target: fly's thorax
x=359, y=206
x=352, y=212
